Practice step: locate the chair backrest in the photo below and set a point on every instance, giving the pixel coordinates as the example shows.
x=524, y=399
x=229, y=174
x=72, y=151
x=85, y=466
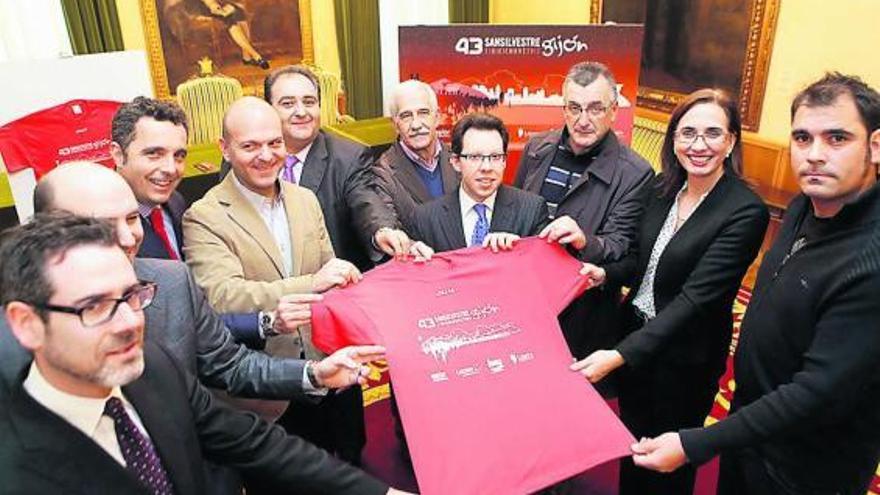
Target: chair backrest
x=205, y=100
x=331, y=87
x=647, y=139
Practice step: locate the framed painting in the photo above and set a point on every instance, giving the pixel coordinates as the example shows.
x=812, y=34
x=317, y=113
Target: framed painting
x=699, y=43
x=242, y=39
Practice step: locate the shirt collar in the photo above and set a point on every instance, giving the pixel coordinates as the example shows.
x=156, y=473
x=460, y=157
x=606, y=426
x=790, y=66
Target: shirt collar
x=414, y=157
x=258, y=200
x=84, y=413
x=145, y=209
x=303, y=153
x=467, y=204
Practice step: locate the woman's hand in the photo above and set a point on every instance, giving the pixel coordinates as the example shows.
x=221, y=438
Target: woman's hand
x=598, y=364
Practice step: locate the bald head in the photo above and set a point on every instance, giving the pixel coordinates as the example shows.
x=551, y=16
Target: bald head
x=89, y=189
x=253, y=143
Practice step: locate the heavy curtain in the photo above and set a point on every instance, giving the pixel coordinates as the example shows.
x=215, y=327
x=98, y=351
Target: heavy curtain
x=93, y=26
x=357, y=31
x=468, y=11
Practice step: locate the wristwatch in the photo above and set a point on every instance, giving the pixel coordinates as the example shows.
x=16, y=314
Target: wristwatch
x=266, y=325
x=310, y=374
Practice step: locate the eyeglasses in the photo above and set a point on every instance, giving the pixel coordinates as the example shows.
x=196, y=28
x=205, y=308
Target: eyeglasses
x=101, y=311
x=494, y=158
x=712, y=136
x=407, y=117
x=595, y=109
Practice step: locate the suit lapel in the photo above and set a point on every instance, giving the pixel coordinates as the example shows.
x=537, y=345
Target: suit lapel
x=503, y=215
x=406, y=173
x=704, y=210
x=543, y=155
x=293, y=206
x=163, y=433
x=243, y=214
x=61, y=453
x=450, y=221
x=315, y=166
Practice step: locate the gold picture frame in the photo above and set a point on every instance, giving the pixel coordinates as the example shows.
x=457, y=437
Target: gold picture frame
x=249, y=74
x=761, y=29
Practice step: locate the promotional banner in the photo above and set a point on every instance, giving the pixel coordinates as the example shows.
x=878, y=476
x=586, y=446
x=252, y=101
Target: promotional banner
x=480, y=367
x=516, y=72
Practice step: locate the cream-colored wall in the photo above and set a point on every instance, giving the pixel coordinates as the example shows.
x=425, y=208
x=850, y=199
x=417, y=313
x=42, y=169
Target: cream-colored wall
x=532, y=12
x=323, y=31
x=813, y=36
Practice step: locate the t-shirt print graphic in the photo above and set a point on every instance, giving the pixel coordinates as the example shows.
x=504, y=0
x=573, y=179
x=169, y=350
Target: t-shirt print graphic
x=480, y=367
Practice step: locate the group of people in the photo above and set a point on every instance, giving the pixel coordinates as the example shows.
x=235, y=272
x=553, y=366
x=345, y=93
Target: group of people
x=88, y=389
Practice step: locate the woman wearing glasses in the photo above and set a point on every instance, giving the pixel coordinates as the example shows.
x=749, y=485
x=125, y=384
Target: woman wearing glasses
x=701, y=229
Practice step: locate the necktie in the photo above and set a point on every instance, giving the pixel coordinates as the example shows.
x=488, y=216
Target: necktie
x=481, y=228
x=287, y=171
x=140, y=455
x=159, y=228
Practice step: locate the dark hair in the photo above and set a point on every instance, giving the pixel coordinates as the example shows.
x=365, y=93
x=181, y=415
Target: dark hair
x=584, y=73
x=825, y=92
x=480, y=121
x=27, y=249
x=674, y=174
x=289, y=70
x=126, y=118
x=44, y=196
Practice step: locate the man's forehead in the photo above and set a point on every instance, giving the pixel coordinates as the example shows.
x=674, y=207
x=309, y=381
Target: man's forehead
x=294, y=85
x=89, y=270
x=840, y=114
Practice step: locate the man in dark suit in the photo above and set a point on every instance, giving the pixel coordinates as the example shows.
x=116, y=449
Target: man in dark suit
x=416, y=168
x=149, y=148
x=584, y=172
x=361, y=225
x=482, y=211
x=97, y=411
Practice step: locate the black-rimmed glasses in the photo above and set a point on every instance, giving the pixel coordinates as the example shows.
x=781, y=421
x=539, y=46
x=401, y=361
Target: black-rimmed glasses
x=101, y=311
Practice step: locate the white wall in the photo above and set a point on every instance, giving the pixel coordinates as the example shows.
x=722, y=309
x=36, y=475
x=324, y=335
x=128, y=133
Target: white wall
x=395, y=13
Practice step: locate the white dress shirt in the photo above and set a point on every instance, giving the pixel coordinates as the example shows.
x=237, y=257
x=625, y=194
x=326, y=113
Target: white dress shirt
x=86, y=414
x=469, y=215
x=272, y=211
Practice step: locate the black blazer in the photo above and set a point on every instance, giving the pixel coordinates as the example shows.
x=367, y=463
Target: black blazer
x=42, y=453
x=401, y=185
x=438, y=223
x=697, y=277
x=152, y=247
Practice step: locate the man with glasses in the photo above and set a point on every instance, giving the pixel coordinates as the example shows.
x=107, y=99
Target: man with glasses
x=482, y=211
x=98, y=409
x=416, y=168
x=589, y=178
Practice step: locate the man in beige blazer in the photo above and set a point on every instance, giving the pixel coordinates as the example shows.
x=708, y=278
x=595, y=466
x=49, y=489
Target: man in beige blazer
x=252, y=239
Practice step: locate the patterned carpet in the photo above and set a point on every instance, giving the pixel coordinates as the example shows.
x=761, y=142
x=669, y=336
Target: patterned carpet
x=381, y=457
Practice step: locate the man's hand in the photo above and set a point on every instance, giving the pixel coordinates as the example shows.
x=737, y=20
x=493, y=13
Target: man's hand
x=393, y=242
x=335, y=272
x=664, y=453
x=595, y=274
x=346, y=366
x=598, y=364
x=293, y=311
x=500, y=241
x=564, y=230
x=421, y=252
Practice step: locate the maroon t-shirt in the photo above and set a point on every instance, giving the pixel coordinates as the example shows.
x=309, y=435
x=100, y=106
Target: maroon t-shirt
x=72, y=131
x=480, y=367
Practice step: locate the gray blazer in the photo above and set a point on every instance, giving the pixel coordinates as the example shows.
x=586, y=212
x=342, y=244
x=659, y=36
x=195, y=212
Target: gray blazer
x=400, y=184
x=181, y=320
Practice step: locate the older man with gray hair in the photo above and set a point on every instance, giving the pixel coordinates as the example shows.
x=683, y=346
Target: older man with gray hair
x=590, y=178
x=416, y=168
